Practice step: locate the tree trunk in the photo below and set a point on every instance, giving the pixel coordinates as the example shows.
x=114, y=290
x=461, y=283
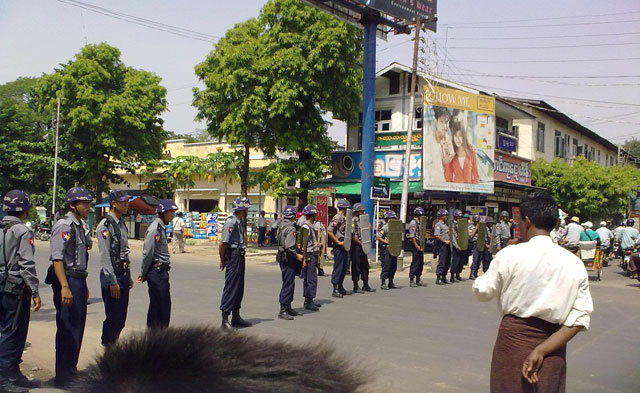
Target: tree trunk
x=226, y=194
x=187, y=204
x=244, y=173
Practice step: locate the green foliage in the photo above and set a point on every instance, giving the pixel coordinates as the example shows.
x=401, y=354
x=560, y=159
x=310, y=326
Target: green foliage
x=269, y=82
x=110, y=114
x=199, y=136
x=632, y=146
x=585, y=188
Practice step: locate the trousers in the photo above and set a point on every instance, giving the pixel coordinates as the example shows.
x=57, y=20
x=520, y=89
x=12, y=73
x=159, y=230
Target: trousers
x=339, y=266
x=389, y=264
x=233, y=291
x=288, y=269
x=14, y=324
x=70, y=323
x=417, y=263
x=444, y=260
x=310, y=283
x=159, y=312
x=115, y=310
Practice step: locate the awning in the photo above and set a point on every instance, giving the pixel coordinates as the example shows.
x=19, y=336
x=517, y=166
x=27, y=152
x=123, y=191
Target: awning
x=135, y=203
x=354, y=188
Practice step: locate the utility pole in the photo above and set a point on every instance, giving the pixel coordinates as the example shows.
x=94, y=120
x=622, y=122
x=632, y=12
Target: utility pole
x=55, y=164
x=404, y=201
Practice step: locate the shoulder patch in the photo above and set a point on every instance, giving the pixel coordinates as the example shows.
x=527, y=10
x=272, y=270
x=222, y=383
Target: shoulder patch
x=65, y=236
x=30, y=241
x=104, y=233
x=156, y=237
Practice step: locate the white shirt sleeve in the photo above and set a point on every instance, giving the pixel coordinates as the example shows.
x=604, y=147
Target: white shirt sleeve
x=582, y=307
x=489, y=285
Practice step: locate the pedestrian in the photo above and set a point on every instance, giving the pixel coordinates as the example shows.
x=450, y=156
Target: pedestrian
x=443, y=245
x=606, y=238
x=543, y=295
x=457, y=253
x=288, y=257
x=310, y=284
x=18, y=287
x=336, y=230
x=178, y=233
x=262, y=228
x=156, y=265
x=231, y=250
x=115, y=275
x=389, y=262
x=502, y=231
x=138, y=222
x=273, y=230
x=359, y=260
x=68, y=279
x=417, y=254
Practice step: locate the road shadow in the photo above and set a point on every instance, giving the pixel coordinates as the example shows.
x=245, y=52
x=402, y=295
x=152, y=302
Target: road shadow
x=636, y=285
x=322, y=302
x=94, y=300
x=256, y=321
x=44, y=314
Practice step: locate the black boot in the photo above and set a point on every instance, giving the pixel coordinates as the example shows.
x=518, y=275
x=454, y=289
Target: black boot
x=356, y=288
x=7, y=387
x=473, y=275
x=412, y=283
x=391, y=284
x=336, y=292
x=343, y=291
x=310, y=305
x=452, y=279
x=439, y=280
x=443, y=278
x=316, y=303
x=284, y=314
x=384, y=286
x=320, y=272
x=458, y=278
x=366, y=287
x=225, y=321
x=420, y=283
x=16, y=378
x=237, y=321
x=291, y=311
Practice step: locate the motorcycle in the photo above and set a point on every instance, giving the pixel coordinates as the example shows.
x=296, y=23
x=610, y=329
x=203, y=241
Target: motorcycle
x=42, y=232
x=624, y=261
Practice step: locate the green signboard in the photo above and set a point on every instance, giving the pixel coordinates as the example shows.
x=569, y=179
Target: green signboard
x=397, y=138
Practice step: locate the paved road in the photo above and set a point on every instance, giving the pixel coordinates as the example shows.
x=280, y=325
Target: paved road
x=433, y=339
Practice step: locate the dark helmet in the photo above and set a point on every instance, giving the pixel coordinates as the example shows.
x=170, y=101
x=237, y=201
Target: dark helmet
x=343, y=204
x=389, y=214
x=443, y=212
x=240, y=204
x=166, y=205
x=310, y=210
x=630, y=222
x=504, y=213
x=118, y=195
x=289, y=212
x=488, y=220
x=475, y=218
x=358, y=207
x=457, y=213
x=418, y=211
x=77, y=194
x=16, y=201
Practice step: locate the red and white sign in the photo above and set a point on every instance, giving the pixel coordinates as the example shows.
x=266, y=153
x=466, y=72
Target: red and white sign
x=512, y=169
x=322, y=203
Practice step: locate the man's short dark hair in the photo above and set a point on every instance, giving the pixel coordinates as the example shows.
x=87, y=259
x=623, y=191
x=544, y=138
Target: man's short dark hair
x=439, y=111
x=541, y=208
x=209, y=360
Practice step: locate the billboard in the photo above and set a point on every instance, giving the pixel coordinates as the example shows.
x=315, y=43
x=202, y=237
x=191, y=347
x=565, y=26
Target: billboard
x=458, y=141
x=347, y=165
x=404, y=9
x=512, y=169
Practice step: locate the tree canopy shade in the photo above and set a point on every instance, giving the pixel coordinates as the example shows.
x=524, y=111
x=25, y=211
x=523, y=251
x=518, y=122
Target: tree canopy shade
x=632, y=146
x=585, y=188
x=110, y=114
x=270, y=80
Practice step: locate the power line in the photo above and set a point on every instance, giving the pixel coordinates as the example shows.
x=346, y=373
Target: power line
x=539, y=19
x=540, y=37
x=548, y=25
x=549, y=61
x=178, y=31
x=541, y=47
x=556, y=77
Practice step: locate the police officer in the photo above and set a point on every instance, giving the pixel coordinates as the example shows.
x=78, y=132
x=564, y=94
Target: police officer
x=288, y=257
x=417, y=258
x=473, y=246
x=231, y=251
x=18, y=285
x=310, y=286
x=359, y=260
x=115, y=275
x=156, y=265
x=458, y=254
x=389, y=263
x=441, y=233
x=68, y=279
x=340, y=258
x=502, y=231
x=486, y=254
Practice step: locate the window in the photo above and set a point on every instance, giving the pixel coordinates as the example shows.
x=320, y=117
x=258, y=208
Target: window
x=579, y=151
x=592, y=154
x=382, y=123
x=502, y=125
x=540, y=138
x=417, y=119
x=598, y=156
x=574, y=148
x=567, y=145
x=394, y=82
x=559, y=144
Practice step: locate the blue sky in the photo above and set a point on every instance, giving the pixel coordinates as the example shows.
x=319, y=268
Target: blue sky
x=37, y=35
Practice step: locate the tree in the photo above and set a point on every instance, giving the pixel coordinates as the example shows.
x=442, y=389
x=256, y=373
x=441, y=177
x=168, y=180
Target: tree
x=632, y=146
x=586, y=188
x=110, y=114
x=185, y=170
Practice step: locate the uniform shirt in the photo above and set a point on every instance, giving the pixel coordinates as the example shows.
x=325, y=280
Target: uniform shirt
x=105, y=237
x=233, y=232
x=287, y=238
x=605, y=236
x=573, y=234
x=17, y=246
x=262, y=222
x=538, y=279
x=470, y=229
x=156, y=248
x=337, y=226
x=178, y=224
x=627, y=237
x=383, y=233
x=87, y=233
x=61, y=235
x=442, y=230
x=312, y=241
x=589, y=235
x=414, y=230
x=502, y=230
x=356, y=228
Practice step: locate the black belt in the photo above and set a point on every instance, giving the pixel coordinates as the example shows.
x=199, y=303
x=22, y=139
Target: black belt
x=76, y=273
x=237, y=251
x=161, y=267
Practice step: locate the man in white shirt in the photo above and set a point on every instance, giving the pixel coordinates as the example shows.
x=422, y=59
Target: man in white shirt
x=273, y=229
x=606, y=237
x=262, y=228
x=178, y=234
x=572, y=239
x=544, y=299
